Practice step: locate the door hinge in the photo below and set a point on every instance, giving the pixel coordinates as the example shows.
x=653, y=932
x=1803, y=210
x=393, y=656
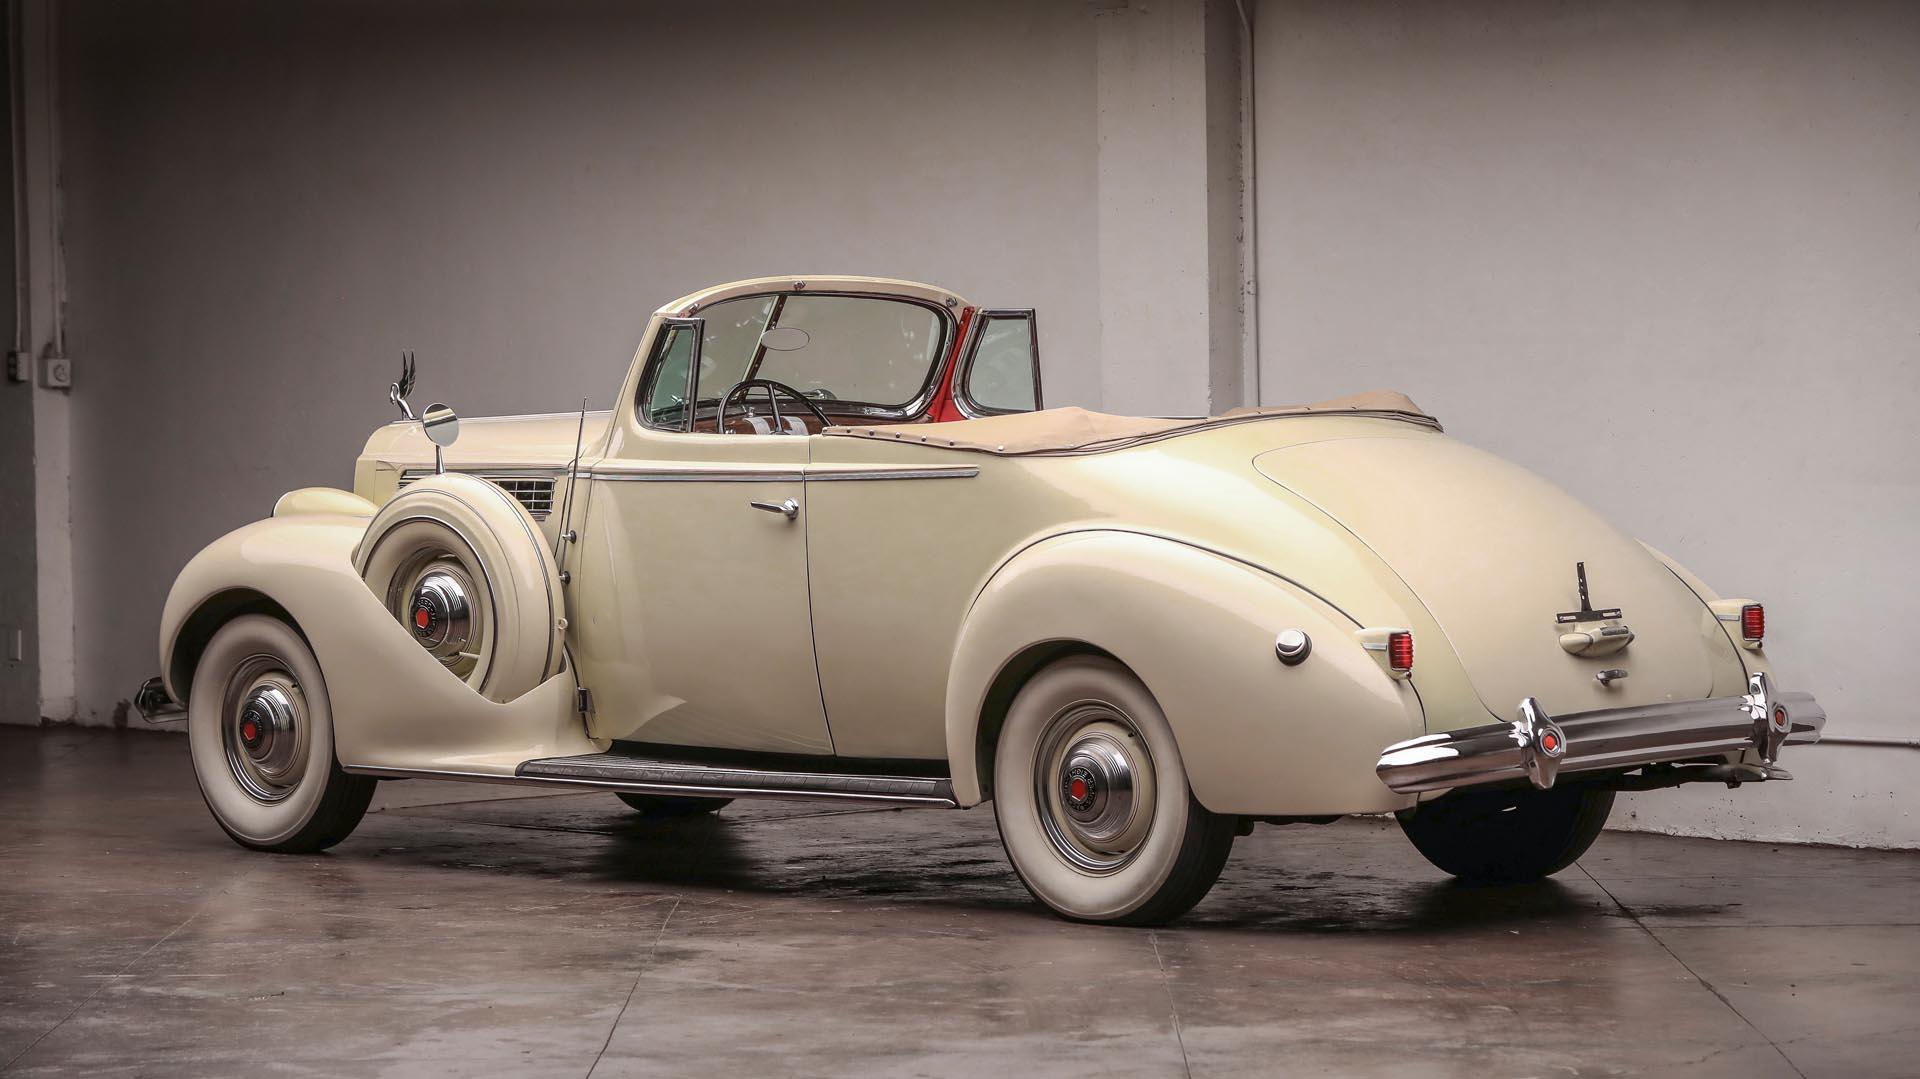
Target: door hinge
x=583, y=697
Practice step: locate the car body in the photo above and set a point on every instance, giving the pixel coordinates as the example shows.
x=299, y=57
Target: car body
x=1287, y=614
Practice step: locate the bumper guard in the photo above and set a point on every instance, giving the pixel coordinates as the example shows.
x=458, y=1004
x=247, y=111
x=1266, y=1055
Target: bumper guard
x=1539, y=748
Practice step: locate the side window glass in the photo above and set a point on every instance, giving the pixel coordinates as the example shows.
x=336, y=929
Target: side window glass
x=1003, y=375
x=666, y=393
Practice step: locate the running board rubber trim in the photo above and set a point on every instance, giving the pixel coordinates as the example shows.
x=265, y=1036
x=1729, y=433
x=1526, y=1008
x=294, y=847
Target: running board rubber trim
x=614, y=771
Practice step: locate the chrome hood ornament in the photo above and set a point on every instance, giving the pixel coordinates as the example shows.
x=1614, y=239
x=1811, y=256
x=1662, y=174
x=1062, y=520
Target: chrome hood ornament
x=397, y=392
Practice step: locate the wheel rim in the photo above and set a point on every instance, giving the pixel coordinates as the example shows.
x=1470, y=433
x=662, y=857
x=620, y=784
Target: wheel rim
x=1094, y=787
x=434, y=595
x=265, y=729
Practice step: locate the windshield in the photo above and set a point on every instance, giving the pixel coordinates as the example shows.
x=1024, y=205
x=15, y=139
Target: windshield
x=865, y=353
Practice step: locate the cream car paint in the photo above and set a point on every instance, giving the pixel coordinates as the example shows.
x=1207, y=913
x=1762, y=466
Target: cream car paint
x=912, y=576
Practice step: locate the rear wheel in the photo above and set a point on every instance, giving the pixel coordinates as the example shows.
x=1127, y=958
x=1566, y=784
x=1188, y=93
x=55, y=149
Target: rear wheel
x=260, y=731
x=1093, y=803
x=1508, y=836
x=665, y=805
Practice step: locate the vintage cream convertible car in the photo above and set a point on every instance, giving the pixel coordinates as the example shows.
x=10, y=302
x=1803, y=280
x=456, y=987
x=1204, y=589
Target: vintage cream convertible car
x=825, y=545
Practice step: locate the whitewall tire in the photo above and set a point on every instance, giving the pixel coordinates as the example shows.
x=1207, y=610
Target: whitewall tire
x=260, y=731
x=1093, y=803
x=462, y=566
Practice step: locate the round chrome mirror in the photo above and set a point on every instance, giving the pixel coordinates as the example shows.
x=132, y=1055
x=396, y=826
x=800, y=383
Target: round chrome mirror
x=441, y=424
x=785, y=339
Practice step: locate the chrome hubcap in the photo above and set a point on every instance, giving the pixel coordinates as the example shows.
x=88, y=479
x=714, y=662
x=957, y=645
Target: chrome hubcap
x=1095, y=787
x=442, y=619
x=264, y=729
x=433, y=596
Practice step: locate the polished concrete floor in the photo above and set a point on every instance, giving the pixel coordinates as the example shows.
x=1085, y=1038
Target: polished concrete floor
x=476, y=931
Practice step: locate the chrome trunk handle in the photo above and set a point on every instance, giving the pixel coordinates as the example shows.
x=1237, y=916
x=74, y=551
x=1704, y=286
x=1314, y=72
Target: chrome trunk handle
x=788, y=507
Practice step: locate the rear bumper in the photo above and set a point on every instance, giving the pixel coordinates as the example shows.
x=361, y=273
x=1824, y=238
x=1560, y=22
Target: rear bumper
x=1539, y=748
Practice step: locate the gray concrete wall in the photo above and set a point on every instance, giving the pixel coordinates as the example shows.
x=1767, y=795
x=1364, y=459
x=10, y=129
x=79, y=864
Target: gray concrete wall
x=1667, y=255
x=267, y=202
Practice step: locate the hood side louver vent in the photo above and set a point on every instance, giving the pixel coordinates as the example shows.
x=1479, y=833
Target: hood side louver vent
x=535, y=492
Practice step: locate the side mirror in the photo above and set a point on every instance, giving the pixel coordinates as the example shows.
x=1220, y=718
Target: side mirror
x=442, y=426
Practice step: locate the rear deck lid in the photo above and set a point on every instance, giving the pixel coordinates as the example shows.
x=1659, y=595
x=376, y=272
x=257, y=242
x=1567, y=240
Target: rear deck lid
x=1490, y=549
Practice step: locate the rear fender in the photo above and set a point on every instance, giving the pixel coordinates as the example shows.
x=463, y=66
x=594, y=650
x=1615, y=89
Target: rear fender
x=394, y=706
x=1256, y=737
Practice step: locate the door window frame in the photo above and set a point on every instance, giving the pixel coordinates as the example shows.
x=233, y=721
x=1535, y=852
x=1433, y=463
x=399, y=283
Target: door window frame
x=970, y=408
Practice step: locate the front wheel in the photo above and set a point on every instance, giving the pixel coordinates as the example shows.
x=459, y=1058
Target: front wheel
x=1507, y=836
x=1093, y=803
x=260, y=731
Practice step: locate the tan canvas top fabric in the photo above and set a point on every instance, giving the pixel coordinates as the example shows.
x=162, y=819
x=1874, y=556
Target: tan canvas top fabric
x=1076, y=430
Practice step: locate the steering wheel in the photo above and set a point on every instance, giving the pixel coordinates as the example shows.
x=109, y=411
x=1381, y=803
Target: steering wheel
x=774, y=389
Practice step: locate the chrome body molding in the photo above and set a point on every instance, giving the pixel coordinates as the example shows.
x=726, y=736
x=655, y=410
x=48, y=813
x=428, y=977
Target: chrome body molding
x=862, y=474
x=620, y=474
x=1613, y=739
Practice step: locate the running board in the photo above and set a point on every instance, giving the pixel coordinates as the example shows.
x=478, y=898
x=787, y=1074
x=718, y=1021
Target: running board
x=641, y=775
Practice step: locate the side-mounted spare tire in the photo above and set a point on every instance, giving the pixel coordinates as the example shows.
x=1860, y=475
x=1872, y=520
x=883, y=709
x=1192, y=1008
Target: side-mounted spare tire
x=462, y=566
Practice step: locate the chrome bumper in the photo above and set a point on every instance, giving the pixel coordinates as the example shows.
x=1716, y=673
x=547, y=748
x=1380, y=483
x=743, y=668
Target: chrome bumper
x=1538, y=748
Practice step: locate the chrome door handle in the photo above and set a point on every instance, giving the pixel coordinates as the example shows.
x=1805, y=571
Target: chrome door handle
x=789, y=507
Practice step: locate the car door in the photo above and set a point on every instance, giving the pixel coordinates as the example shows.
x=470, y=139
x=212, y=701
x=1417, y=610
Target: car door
x=693, y=624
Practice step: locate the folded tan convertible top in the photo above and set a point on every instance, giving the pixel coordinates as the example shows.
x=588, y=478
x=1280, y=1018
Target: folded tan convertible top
x=1076, y=430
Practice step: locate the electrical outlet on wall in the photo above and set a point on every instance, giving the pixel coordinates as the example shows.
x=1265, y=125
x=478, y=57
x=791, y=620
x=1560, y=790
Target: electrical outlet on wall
x=56, y=372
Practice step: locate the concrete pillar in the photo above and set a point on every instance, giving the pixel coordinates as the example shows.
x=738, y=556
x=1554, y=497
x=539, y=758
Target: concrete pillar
x=1170, y=205
x=19, y=627
x=39, y=176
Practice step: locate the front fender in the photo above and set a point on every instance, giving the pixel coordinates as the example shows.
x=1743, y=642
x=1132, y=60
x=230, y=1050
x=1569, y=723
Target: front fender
x=394, y=706
x=1256, y=737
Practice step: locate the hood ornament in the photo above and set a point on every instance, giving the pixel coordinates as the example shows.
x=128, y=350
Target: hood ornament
x=397, y=392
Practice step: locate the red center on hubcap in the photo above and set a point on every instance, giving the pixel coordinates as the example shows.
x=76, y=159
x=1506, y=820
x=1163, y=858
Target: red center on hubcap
x=422, y=618
x=1077, y=789
x=249, y=731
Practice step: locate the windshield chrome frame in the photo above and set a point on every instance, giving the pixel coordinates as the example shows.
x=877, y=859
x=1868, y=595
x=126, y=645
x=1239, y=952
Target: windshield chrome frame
x=943, y=355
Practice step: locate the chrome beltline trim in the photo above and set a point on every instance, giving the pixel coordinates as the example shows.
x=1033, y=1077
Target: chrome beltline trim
x=770, y=475
x=1614, y=738
x=893, y=474
x=691, y=475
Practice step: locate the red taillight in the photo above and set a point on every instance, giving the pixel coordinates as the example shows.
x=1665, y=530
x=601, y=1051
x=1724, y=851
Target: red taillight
x=1400, y=651
x=1753, y=622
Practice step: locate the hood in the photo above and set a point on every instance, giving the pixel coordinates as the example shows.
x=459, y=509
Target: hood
x=1490, y=550
x=544, y=441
